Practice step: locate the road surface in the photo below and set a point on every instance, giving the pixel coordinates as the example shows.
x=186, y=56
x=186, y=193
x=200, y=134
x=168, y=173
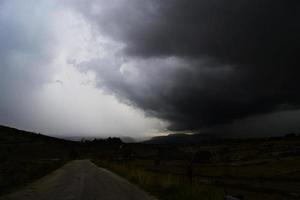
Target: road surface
x=80, y=180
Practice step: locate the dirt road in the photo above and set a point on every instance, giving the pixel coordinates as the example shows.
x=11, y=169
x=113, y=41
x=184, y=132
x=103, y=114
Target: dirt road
x=80, y=180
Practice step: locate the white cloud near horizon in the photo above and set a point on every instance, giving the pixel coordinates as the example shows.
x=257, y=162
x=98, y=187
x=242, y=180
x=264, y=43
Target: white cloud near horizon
x=43, y=89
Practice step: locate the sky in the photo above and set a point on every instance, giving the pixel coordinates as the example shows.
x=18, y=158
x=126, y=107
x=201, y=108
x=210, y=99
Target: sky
x=97, y=68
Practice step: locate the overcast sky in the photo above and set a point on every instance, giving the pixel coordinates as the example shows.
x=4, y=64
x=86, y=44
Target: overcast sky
x=98, y=68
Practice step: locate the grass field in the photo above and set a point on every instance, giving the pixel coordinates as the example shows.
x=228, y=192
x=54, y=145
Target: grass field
x=180, y=172
x=167, y=186
x=163, y=186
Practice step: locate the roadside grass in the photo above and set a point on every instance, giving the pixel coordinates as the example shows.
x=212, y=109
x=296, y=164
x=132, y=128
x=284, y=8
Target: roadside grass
x=282, y=169
x=15, y=174
x=288, y=169
x=168, y=184
x=164, y=186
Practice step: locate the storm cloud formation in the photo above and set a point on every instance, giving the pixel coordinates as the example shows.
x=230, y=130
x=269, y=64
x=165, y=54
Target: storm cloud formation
x=41, y=91
x=25, y=54
x=79, y=67
x=197, y=63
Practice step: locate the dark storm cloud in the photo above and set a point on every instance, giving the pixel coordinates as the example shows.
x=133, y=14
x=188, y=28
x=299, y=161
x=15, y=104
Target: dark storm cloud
x=229, y=59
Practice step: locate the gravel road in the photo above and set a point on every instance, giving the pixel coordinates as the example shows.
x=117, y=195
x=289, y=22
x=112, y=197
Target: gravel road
x=80, y=180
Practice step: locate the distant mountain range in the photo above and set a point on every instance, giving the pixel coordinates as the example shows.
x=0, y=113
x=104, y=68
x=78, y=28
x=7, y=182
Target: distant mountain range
x=80, y=138
x=182, y=139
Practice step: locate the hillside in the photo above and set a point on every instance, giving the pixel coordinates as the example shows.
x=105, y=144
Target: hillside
x=13, y=135
x=19, y=144
x=27, y=156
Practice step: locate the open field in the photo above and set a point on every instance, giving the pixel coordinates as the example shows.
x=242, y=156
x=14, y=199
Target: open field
x=210, y=171
x=253, y=169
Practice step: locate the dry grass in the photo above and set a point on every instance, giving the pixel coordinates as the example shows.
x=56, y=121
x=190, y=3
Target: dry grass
x=170, y=186
x=164, y=186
